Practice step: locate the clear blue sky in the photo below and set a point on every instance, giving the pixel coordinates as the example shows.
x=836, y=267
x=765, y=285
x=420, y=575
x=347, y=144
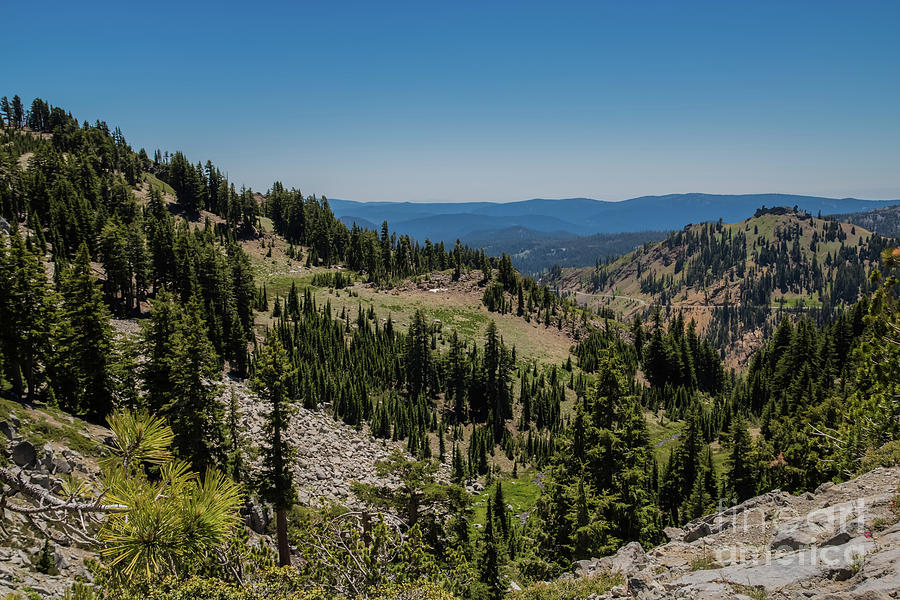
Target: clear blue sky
x=497, y=101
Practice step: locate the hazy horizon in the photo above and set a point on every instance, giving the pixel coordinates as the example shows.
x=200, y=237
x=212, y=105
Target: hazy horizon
x=897, y=198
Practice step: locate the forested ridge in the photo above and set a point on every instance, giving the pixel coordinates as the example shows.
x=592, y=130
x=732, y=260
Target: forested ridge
x=737, y=280
x=884, y=221
x=97, y=236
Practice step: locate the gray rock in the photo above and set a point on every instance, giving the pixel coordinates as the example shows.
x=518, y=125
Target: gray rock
x=7, y=429
x=60, y=560
x=700, y=531
x=880, y=572
x=824, y=487
x=629, y=558
x=256, y=516
x=24, y=454
x=61, y=465
x=675, y=534
x=41, y=479
x=586, y=568
x=793, y=539
x=645, y=589
x=838, y=539
x=811, y=564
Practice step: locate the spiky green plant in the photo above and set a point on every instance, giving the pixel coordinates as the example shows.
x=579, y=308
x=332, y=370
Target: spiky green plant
x=174, y=519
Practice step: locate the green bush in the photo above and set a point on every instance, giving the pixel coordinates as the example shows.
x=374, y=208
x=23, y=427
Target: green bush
x=569, y=589
x=886, y=456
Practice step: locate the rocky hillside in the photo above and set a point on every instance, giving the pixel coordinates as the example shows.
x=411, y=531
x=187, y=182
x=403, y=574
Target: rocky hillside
x=330, y=454
x=49, y=448
x=735, y=279
x=843, y=541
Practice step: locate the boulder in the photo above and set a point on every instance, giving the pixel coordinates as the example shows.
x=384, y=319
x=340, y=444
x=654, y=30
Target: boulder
x=838, y=539
x=675, y=534
x=793, y=539
x=586, y=567
x=699, y=531
x=24, y=454
x=642, y=588
x=880, y=572
x=256, y=516
x=7, y=429
x=60, y=560
x=61, y=465
x=629, y=559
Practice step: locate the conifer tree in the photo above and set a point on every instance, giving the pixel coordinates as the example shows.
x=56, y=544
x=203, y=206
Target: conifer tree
x=27, y=316
x=193, y=409
x=489, y=563
x=499, y=514
x=84, y=384
x=271, y=380
x=740, y=477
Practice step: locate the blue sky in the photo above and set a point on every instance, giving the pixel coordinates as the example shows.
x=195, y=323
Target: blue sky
x=498, y=101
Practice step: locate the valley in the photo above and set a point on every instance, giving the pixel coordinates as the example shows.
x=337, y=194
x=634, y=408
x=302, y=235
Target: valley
x=232, y=394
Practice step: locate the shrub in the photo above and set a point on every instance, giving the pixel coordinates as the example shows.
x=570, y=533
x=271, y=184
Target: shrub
x=566, y=589
x=886, y=456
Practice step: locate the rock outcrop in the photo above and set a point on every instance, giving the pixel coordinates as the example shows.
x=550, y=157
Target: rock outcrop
x=843, y=541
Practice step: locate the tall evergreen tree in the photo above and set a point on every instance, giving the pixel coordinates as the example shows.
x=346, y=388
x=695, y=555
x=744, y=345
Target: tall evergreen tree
x=85, y=344
x=489, y=560
x=193, y=409
x=27, y=316
x=740, y=477
x=271, y=380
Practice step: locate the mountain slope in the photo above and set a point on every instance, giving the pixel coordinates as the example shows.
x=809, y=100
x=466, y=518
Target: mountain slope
x=734, y=279
x=883, y=221
x=535, y=252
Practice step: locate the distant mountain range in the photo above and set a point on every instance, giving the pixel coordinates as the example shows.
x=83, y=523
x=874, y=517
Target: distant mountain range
x=448, y=221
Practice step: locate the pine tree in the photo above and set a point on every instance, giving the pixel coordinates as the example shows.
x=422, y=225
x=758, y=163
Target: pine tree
x=157, y=334
x=418, y=359
x=272, y=376
x=6, y=109
x=27, y=316
x=193, y=409
x=116, y=264
x=740, y=477
x=489, y=563
x=18, y=112
x=84, y=385
x=499, y=514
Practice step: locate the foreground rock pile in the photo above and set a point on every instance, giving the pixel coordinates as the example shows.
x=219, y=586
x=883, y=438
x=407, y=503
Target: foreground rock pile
x=21, y=542
x=843, y=541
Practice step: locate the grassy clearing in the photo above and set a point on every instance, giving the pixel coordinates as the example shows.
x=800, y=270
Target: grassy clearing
x=520, y=492
x=567, y=589
x=662, y=431
x=456, y=311
x=154, y=181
